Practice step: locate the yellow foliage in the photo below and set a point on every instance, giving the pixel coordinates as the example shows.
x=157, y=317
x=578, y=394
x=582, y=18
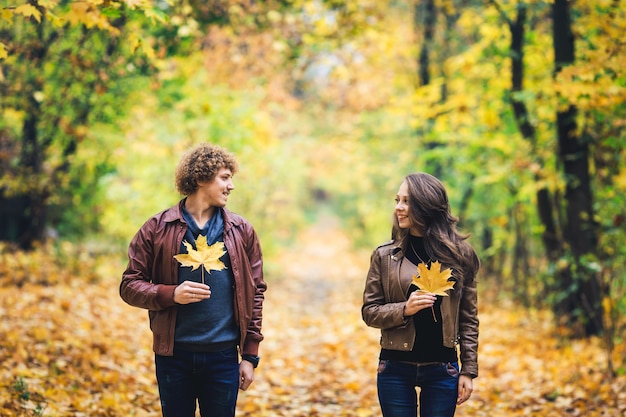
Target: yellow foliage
x=620, y=179
x=6, y=15
x=28, y=10
x=46, y=265
x=84, y=13
x=134, y=4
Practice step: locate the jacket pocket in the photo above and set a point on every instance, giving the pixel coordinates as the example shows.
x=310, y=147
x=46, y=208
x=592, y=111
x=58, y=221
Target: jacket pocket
x=397, y=339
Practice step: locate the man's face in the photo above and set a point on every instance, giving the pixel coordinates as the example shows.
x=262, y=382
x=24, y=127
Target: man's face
x=217, y=190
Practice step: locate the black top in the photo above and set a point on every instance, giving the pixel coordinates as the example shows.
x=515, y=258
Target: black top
x=428, y=345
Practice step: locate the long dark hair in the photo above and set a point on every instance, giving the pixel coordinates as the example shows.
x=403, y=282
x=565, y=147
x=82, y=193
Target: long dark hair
x=429, y=211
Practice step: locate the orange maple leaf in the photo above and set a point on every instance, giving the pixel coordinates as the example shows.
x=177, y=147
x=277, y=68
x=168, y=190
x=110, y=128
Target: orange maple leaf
x=206, y=255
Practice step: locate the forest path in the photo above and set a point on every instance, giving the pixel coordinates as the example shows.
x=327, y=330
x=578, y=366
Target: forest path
x=316, y=343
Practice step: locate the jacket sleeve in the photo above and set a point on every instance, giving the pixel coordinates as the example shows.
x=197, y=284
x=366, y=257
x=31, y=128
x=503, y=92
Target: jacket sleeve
x=377, y=310
x=138, y=287
x=468, y=329
x=255, y=257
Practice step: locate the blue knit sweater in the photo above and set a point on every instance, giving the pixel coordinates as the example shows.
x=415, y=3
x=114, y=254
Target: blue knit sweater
x=208, y=325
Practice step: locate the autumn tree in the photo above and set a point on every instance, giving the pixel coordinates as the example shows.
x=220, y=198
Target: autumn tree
x=579, y=284
x=64, y=66
x=570, y=233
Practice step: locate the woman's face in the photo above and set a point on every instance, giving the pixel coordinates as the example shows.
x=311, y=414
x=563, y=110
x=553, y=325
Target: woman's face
x=402, y=210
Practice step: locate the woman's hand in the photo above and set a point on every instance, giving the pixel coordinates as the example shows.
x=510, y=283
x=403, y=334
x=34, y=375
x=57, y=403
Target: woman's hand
x=191, y=292
x=466, y=386
x=419, y=300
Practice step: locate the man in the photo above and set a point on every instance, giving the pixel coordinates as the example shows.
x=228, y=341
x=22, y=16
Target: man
x=198, y=269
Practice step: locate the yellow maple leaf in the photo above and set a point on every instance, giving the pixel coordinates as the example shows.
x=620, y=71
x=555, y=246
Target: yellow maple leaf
x=6, y=15
x=205, y=255
x=28, y=10
x=433, y=280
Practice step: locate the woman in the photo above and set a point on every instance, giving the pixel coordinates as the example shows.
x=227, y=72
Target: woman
x=420, y=330
x=197, y=268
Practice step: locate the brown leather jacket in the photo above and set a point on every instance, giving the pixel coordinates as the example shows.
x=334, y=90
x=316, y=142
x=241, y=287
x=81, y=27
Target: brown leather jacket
x=152, y=275
x=383, y=308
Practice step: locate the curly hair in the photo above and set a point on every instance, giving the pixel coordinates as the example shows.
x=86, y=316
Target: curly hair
x=201, y=164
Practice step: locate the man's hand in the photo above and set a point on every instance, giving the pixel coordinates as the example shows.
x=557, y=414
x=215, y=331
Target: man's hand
x=191, y=292
x=246, y=375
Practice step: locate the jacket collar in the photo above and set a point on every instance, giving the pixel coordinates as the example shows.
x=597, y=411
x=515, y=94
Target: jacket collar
x=175, y=213
x=391, y=248
x=230, y=219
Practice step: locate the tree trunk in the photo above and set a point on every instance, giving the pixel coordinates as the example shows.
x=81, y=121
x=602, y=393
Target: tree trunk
x=545, y=203
x=582, y=301
x=425, y=16
x=423, y=63
x=24, y=212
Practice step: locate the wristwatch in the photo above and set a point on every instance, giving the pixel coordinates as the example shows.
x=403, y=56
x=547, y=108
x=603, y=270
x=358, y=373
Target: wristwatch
x=254, y=360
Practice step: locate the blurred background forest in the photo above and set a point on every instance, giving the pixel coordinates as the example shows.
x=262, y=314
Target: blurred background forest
x=519, y=107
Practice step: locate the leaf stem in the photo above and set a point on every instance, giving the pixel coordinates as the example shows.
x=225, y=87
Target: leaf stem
x=432, y=308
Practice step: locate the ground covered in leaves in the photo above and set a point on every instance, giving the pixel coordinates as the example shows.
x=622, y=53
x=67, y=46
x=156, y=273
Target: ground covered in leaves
x=70, y=347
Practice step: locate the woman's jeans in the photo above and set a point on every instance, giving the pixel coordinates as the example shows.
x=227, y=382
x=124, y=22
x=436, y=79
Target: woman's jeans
x=210, y=377
x=396, y=388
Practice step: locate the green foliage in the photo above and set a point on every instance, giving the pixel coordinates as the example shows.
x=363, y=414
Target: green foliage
x=67, y=66
x=21, y=389
x=269, y=187
x=25, y=398
x=319, y=102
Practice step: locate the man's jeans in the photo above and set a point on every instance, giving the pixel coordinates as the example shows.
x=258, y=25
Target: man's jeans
x=210, y=377
x=396, y=389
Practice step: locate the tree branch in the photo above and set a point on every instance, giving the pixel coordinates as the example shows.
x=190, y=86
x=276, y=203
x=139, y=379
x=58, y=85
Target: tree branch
x=502, y=13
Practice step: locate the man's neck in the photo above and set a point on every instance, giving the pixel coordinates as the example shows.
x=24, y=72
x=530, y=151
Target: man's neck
x=199, y=210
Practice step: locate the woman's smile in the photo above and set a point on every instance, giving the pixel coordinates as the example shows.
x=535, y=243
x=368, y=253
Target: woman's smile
x=403, y=220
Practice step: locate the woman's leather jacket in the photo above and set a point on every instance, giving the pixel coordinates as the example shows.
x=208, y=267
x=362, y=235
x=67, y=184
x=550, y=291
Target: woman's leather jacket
x=384, y=299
